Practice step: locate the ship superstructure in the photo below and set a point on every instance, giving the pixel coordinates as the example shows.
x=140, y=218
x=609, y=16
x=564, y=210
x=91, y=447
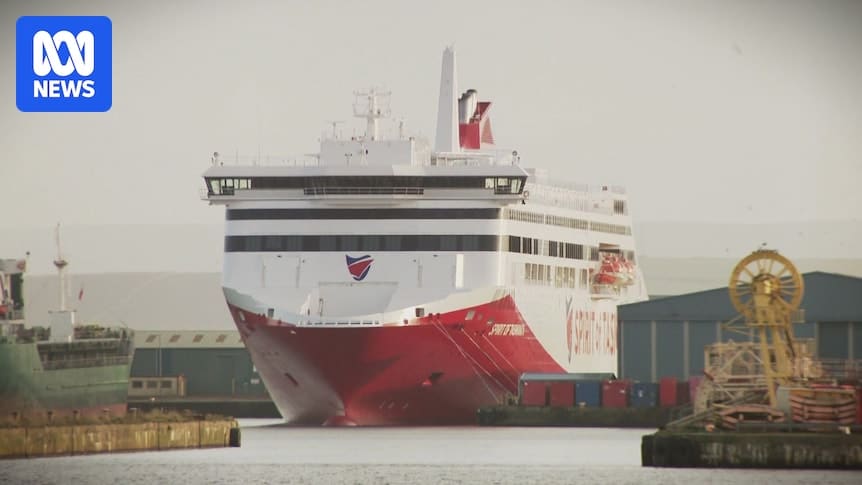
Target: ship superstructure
x=60, y=368
x=387, y=282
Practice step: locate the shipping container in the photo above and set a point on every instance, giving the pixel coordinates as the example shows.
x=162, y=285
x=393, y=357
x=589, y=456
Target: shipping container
x=667, y=392
x=534, y=393
x=615, y=394
x=562, y=394
x=683, y=393
x=588, y=393
x=644, y=395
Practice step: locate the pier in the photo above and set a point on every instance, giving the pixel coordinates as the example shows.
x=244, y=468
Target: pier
x=155, y=431
x=753, y=449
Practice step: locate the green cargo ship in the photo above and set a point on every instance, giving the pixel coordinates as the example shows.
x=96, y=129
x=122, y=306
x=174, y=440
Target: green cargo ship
x=62, y=369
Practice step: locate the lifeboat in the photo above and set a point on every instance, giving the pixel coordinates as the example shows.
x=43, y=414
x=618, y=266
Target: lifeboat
x=615, y=271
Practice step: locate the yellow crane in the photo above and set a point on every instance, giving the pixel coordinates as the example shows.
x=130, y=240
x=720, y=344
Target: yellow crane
x=766, y=289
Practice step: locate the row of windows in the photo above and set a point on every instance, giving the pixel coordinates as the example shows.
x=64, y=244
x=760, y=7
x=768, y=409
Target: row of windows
x=413, y=242
x=610, y=228
x=216, y=185
x=561, y=277
x=569, y=222
x=405, y=242
x=227, y=186
x=557, y=249
x=524, y=216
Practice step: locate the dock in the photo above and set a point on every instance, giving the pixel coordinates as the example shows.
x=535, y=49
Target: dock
x=754, y=449
x=585, y=417
x=134, y=432
x=236, y=406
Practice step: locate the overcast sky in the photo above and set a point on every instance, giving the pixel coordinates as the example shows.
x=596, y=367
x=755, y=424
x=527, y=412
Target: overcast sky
x=746, y=111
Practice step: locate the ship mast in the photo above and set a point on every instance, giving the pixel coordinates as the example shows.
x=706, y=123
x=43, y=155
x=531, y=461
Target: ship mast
x=60, y=264
x=372, y=105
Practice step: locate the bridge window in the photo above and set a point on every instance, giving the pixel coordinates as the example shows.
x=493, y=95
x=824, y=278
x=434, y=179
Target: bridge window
x=227, y=186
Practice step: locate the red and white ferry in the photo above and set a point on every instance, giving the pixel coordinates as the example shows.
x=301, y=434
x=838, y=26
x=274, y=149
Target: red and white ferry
x=389, y=282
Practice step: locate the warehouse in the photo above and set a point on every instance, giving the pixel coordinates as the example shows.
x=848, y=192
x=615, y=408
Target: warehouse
x=665, y=337
x=209, y=363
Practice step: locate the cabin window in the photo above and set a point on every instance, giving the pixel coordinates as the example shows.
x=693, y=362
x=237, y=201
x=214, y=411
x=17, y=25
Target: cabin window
x=516, y=186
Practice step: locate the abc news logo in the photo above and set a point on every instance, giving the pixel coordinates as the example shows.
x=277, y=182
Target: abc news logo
x=46, y=59
x=63, y=63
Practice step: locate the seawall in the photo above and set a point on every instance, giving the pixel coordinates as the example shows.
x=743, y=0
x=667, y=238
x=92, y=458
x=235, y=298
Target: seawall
x=573, y=416
x=752, y=450
x=40, y=441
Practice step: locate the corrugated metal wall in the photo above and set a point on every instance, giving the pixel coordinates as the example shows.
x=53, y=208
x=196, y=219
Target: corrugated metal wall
x=655, y=349
x=666, y=337
x=208, y=372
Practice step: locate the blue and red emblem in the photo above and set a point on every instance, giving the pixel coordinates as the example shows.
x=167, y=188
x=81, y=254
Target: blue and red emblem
x=359, y=267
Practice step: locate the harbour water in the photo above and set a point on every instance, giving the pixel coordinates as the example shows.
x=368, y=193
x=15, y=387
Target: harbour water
x=272, y=453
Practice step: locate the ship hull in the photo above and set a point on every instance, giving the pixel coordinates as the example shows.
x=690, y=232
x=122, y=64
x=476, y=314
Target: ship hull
x=438, y=369
x=30, y=391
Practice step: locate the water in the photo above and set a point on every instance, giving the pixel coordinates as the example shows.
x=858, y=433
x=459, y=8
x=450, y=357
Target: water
x=468, y=455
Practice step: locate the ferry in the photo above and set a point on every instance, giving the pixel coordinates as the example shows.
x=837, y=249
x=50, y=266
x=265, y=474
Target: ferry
x=389, y=281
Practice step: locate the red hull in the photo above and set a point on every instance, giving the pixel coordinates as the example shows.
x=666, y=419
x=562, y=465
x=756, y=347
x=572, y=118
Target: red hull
x=438, y=369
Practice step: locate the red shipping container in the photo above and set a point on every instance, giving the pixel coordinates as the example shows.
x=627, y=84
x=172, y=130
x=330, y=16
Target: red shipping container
x=534, y=394
x=667, y=392
x=683, y=393
x=562, y=394
x=615, y=394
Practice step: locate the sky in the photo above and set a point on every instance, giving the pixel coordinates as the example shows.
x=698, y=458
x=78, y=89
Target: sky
x=742, y=112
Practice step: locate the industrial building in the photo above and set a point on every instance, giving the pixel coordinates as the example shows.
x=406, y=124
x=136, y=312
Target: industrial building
x=212, y=364
x=665, y=337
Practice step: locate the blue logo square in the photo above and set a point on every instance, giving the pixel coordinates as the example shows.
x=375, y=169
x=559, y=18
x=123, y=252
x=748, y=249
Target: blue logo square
x=63, y=64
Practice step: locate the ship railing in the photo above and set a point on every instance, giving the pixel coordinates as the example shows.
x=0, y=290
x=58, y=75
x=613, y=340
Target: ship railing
x=265, y=160
x=475, y=158
x=82, y=363
x=841, y=369
x=562, y=197
x=354, y=323
x=323, y=191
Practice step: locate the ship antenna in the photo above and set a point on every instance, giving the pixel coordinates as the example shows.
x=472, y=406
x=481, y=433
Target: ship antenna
x=372, y=105
x=335, y=124
x=60, y=263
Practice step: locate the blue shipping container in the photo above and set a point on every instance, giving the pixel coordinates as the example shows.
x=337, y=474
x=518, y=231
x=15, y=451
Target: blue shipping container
x=589, y=393
x=644, y=395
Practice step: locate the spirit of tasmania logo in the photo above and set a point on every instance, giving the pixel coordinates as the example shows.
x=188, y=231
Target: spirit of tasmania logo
x=359, y=267
x=63, y=63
